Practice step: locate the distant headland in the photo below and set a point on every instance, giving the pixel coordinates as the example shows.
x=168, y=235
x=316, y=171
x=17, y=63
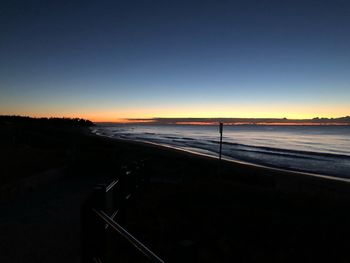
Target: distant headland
x=242, y=121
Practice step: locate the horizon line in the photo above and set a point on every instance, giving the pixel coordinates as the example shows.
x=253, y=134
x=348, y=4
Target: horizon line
x=233, y=121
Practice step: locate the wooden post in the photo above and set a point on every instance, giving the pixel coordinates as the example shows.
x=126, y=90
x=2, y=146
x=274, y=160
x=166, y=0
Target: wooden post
x=221, y=130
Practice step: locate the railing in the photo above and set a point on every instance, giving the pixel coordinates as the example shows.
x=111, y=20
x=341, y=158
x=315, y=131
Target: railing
x=137, y=244
x=103, y=237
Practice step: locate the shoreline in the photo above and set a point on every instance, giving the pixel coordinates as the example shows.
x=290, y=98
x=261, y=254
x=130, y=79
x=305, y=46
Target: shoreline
x=319, y=153
x=229, y=160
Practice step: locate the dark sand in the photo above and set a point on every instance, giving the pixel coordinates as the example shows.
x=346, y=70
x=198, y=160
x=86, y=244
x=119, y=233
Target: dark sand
x=188, y=213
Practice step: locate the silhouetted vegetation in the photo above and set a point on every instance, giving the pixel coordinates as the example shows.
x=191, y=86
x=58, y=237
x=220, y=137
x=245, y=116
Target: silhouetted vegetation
x=44, y=121
x=33, y=145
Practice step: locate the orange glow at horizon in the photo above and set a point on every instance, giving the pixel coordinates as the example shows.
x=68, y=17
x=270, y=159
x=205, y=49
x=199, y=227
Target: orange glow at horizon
x=239, y=111
x=115, y=114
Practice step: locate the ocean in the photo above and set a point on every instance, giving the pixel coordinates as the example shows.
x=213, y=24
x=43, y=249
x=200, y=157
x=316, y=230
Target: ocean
x=322, y=150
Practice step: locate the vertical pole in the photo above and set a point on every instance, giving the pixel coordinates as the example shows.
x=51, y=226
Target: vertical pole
x=221, y=130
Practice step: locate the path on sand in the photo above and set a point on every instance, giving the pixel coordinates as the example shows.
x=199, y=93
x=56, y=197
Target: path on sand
x=43, y=225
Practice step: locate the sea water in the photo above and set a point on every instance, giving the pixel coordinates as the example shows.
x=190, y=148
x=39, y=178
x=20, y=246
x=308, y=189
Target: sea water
x=315, y=149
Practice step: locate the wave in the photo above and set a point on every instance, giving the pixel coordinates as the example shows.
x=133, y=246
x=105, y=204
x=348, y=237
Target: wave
x=285, y=151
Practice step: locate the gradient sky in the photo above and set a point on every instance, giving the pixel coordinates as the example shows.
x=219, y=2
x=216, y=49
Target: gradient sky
x=106, y=60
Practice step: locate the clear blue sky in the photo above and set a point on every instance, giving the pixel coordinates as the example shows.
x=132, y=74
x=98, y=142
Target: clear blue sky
x=113, y=59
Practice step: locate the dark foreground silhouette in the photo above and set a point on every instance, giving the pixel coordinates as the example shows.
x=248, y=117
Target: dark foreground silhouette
x=186, y=213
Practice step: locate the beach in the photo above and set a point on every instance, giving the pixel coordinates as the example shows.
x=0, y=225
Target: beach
x=313, y=149
x=194, y=209
x=197, y=210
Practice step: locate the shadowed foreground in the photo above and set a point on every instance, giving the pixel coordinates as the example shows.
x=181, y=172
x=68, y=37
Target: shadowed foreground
x=187, y=213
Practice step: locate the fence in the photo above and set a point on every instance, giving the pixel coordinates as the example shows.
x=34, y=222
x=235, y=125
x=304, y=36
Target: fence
x=102, y=216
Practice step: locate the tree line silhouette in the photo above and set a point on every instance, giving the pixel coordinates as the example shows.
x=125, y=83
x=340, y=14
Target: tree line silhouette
x=53, y=121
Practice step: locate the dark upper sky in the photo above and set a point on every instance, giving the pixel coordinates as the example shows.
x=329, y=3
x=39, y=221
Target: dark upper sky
x=110, y=59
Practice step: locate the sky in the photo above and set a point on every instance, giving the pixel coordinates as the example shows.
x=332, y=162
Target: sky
x=106, y=60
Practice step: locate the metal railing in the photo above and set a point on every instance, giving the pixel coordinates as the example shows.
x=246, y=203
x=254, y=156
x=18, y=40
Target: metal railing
x=136, y=243
x=102, y=216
